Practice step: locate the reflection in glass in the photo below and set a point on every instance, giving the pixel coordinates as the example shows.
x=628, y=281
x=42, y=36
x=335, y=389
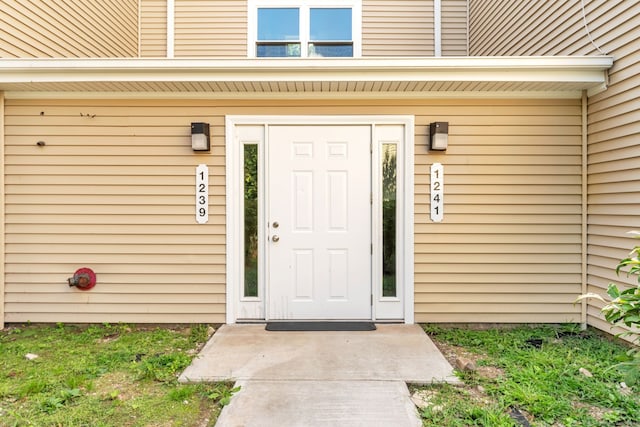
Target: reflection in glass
x=251, y=220
x=389, y=172
x=278, y=24
x=330, y=32
x=278, y=50
x=330, y=24
x=331, y=49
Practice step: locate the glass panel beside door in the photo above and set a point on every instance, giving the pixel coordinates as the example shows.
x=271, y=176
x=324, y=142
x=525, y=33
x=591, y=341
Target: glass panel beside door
x=250, y=220
x=389, y=196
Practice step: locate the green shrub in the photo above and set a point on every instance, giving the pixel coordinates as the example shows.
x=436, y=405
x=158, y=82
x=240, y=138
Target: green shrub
x=624, y=309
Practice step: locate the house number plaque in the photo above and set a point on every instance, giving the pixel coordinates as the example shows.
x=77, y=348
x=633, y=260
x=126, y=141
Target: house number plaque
x=437, y=192
x=202, y=194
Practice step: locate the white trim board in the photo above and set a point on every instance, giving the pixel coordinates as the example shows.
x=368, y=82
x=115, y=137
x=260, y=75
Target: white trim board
x=574, y=94
x=168, y=76
x=437, y=21
x=234, y=229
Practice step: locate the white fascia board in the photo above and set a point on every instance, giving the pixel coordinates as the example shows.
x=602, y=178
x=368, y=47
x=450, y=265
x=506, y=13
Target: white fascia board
x=494, y=69
x=515, y=94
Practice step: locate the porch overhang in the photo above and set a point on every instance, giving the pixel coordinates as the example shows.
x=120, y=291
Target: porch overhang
x=313, y=77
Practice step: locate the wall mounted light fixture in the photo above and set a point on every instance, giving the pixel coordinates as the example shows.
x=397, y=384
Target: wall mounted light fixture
x=200, y=140
x=438, y=136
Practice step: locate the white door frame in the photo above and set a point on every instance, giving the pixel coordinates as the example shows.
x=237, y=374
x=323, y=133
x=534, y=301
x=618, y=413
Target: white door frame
x=382, y=129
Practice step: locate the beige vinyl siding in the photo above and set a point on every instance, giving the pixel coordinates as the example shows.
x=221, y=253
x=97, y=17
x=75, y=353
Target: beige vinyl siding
x=541, y=27
x=397, y=28
x=153, y=28
x=614, y=159
x=211, y=29
x=115, y=192
x=613, y=115
x=68, y=28
x=454, y=28
x=508, y=249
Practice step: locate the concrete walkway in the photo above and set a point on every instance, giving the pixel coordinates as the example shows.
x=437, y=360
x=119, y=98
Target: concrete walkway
x=320, y=378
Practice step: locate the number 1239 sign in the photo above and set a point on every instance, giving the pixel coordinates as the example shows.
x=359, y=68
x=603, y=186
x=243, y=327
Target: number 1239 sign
x=202, y=194
x=437, y=192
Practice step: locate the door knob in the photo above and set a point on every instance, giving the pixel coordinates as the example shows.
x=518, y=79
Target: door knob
x=275, y=238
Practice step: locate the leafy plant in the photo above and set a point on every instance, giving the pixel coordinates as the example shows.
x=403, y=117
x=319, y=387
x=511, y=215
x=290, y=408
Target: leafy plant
x=624, y=308
x=52, y=403
x=69, y=394
x=223, y=394
x=199, y=333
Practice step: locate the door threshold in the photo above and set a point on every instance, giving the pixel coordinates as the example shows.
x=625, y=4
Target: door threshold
x=320, y=325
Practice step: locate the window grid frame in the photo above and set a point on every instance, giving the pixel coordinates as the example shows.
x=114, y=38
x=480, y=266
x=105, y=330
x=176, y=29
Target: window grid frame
x=305, y=7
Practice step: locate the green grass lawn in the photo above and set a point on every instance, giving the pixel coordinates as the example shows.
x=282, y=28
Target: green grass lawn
x=126, y=375
x=103, y=375
x=535, y=376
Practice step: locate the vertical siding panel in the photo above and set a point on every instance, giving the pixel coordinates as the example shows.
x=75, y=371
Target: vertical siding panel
x=397, y=28
x=211, y=29
x=454, y=28
x=153, y=28
x=68, y=28
x=115, y=192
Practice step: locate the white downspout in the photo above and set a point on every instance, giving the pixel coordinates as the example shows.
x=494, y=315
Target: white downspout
x=2, y=214
x=171, y=27
x=584, y=319
x=437, y=23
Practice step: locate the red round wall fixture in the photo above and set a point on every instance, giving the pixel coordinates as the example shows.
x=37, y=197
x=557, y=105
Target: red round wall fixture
x=83, y=279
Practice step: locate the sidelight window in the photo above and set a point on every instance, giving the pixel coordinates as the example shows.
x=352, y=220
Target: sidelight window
x=389, y=219
x=250, y=154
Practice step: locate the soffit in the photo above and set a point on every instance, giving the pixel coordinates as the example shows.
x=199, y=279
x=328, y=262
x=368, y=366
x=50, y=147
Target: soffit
x=306, y=77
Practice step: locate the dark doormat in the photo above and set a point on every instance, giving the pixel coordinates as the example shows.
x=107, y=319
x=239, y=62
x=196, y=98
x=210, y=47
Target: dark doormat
x=320, y=326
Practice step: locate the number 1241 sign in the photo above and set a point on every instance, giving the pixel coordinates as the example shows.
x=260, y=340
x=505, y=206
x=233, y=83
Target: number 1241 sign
x=437, y=192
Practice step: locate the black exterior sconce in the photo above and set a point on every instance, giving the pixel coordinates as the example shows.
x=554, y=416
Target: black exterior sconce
x=200, y=140
x=438, y=136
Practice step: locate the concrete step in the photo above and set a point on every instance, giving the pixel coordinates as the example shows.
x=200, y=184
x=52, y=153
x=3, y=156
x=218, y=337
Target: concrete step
x=320, y=403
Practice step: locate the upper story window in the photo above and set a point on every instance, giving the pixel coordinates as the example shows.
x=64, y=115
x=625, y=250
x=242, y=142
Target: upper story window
x=304, y=28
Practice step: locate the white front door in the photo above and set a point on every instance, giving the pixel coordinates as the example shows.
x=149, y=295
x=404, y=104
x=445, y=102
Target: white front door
x=319, y=222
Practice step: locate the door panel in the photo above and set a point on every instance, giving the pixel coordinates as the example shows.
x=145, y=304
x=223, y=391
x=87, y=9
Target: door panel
x=319, y=222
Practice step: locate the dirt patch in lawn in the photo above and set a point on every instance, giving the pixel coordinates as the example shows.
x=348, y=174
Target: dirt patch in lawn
x=454, y=353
